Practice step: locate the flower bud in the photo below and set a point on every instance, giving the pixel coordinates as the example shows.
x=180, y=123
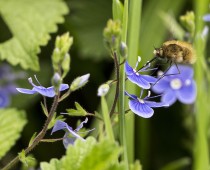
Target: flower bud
x=56, y=82
x=123, y=50
x=66, y=65
x=188, y=21
x=112, y=34
x=79, y=82
x=103, y=90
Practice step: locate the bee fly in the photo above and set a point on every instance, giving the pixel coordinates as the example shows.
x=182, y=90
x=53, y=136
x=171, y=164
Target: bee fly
x=174, y=52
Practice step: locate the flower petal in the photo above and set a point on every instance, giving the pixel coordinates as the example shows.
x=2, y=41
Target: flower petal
x=186, y=72
x=81, y=125
x=128, y=69
x=4, y=99
x=139, y=80
x=161, y=86
x=25, y=91
x=63, y=87
x=49, y=92
x=169, y=97
x=206, y=17
x=59, y=125
x=187, y=94
x=149, y=79
x=156, y=104
x=141, y=109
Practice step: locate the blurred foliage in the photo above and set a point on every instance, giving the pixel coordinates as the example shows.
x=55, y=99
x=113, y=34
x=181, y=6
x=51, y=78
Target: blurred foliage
x=166, y=137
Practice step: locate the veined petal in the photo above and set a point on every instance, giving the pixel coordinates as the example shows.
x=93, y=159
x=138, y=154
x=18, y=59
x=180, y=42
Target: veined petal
x=139, y=80
x=25, y=91
x=186, y=72
x=169, y=97
x=49, y=92
x=156, y=104
x=128, y=69
x=187, y=94
x=141, y=109
x=149, y=79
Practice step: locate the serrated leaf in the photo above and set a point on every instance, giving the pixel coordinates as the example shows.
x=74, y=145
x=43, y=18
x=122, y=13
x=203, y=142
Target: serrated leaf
x=79, y=111
x=91, y=155
x=11, y=125
x=30, y=24
x=53, y=165
x=87, y=25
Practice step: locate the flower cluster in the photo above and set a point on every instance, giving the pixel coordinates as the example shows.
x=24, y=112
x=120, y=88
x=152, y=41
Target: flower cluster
x=171, y=86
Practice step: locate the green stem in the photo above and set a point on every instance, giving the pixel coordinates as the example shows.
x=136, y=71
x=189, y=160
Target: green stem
x=121, y=106
x=133, y=44
x=39, y=137
x=107, y=121
x=201, y=148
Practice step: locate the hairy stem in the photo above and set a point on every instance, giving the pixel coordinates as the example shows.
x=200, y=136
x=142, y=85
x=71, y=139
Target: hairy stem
x=39, y=137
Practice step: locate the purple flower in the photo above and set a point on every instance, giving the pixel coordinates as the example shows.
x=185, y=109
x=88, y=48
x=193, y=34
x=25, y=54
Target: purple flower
x=70, y=135
x=143, y=107
x=4, y=98
x=206, y=17
x=179, y=86
x=49, y=91
x=142, y=81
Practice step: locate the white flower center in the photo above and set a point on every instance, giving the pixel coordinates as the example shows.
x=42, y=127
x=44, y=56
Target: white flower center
x=176, y=84
x=187, y=82
x=140, y=100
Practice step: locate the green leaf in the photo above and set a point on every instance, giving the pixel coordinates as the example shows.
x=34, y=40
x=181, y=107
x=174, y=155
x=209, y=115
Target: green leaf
x=32, y=139
x=88, y=155
x=91, y=155
x=136, y=166
x=79, y=111
x=53, y=165
x=11, y=125
x=44, y=109
x=30, y=23
x=87, y=25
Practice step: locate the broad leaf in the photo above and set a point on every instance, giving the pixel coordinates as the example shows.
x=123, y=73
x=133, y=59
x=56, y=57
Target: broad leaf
x=88, y=155
x=30, y=23
x=11, y=125
x=53, y=165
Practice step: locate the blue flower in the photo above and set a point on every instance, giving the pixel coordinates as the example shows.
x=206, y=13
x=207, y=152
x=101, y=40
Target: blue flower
x=206, y=17
x=143, y=107
x=70, y=135
x=142, y=81
x=49, y=91
x=4, y=98
x=179, y=86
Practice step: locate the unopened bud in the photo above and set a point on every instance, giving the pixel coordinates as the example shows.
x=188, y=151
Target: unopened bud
x=56, y=82
x=188, y=21
x=79, y=82
x=123, y=50
x=103, y=90
x=66, y=65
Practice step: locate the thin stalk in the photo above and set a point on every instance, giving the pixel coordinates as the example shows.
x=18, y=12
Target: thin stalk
x=39, y=137
x=116, y=63
x=133, y=44
x=121, y=103
x=107, y=120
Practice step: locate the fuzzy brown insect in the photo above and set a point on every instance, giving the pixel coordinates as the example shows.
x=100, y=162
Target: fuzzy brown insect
x=176, y=52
